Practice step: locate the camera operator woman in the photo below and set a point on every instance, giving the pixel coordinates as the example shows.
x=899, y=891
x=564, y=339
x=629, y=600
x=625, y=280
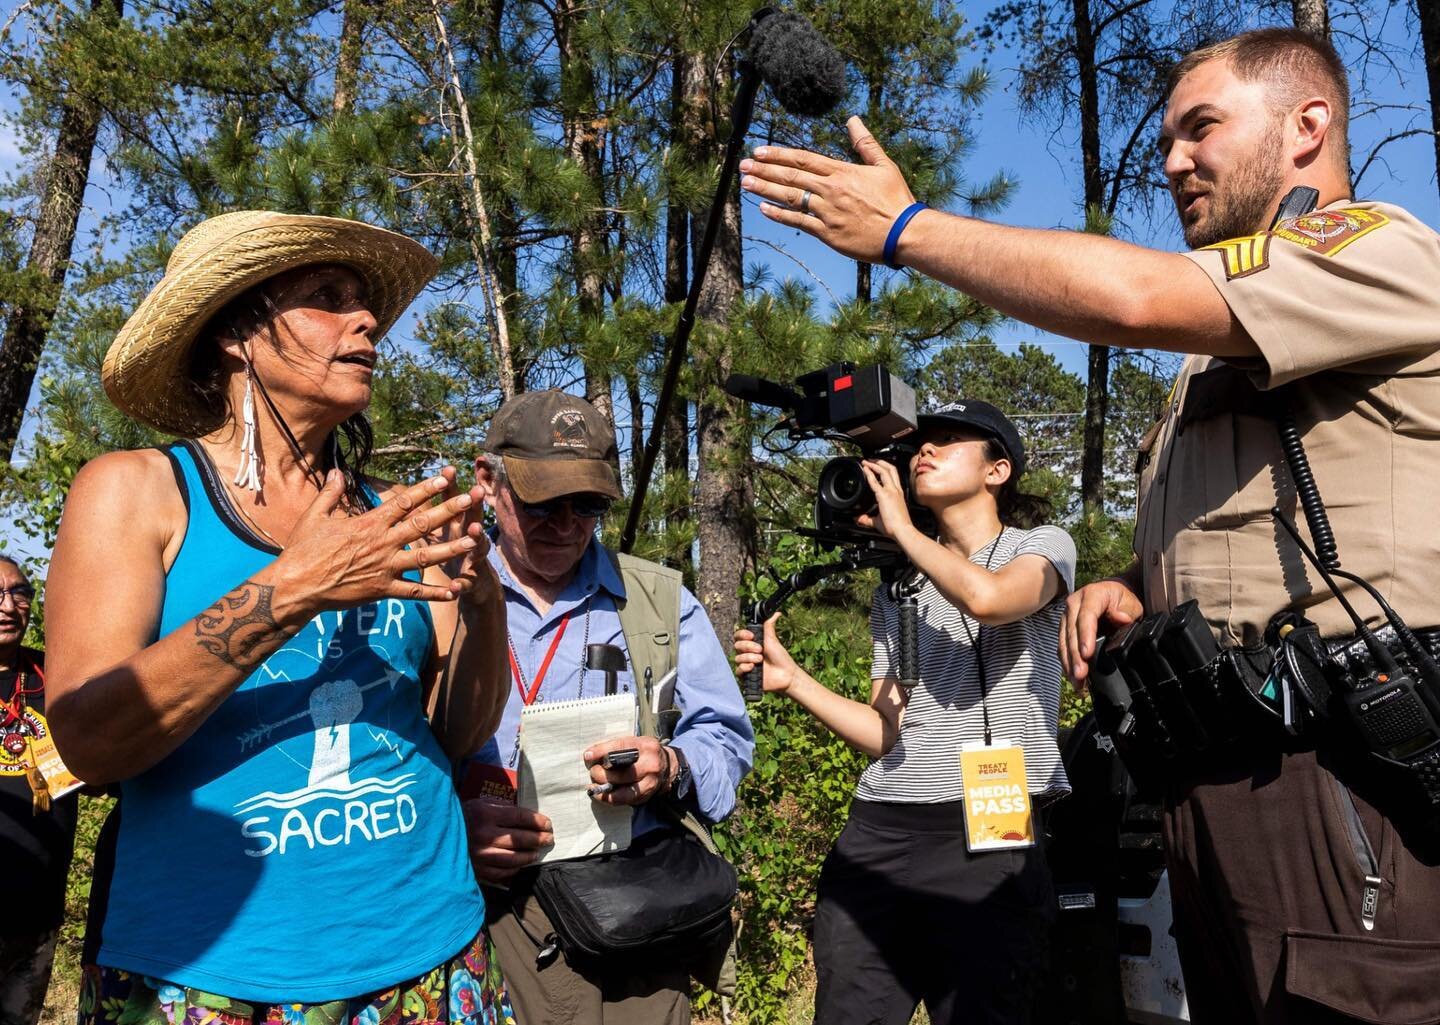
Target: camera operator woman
x=243, y=628
x=907, y=914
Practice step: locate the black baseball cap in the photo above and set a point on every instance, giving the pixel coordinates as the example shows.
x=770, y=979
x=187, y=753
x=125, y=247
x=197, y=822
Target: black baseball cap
x=986, y=419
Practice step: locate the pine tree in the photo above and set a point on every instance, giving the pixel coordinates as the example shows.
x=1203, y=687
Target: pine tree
x=78, y=43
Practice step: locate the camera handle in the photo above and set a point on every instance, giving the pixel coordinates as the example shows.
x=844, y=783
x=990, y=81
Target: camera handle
x=905, y=593
x=752, y=684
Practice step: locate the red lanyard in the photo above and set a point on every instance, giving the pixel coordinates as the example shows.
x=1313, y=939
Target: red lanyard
x=529, y=696
x=15, y=706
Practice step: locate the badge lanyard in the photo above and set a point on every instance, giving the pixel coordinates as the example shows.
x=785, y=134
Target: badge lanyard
x=530, y=693
x=528, y=696
x=998, y=813
x=975, y=644
x=15, y=705
x=13, y=723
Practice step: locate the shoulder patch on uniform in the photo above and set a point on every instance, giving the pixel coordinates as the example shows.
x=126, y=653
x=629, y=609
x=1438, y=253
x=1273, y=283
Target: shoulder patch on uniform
x=1243, y=256
x=1326, y=232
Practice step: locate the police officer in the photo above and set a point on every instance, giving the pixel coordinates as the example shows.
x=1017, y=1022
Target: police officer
x=1268, y=850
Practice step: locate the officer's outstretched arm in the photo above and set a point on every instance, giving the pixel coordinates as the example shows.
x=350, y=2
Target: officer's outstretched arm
x=1089, y=287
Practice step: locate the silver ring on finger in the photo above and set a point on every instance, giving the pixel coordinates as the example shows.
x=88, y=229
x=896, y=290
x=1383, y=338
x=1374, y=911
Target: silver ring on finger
x=805, y=202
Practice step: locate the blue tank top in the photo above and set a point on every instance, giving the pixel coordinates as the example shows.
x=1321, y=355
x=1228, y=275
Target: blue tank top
x=305, y=844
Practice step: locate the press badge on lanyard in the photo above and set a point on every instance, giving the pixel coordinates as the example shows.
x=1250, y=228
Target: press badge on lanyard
x=997, y=800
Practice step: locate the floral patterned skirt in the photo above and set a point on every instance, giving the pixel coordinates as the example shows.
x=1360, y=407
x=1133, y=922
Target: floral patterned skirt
x=466, y=990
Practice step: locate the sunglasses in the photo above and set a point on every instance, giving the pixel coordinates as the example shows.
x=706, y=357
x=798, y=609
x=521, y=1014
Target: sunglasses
x=582, y=506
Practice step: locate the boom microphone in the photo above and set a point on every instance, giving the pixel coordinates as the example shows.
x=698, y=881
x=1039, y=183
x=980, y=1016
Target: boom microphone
x=799, y=65
x=807, y=76
x=762, y=392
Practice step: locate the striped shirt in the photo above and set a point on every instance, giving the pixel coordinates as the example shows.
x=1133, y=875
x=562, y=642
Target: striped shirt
x=1022, y=683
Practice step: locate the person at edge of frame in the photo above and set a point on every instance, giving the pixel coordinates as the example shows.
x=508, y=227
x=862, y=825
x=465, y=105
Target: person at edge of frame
x=547, y=471
x=909, y=911
x=244, y=628
x=1339, y=307
x=36, y=843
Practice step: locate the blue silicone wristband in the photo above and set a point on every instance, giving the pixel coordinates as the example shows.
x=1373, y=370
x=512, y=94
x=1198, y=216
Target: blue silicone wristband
x=893, y=239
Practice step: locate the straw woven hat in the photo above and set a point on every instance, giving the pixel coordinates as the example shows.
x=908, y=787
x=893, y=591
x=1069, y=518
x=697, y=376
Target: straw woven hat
x=147, y=370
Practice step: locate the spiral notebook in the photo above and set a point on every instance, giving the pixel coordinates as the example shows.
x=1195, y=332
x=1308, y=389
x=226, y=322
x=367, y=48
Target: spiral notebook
x=552, y=777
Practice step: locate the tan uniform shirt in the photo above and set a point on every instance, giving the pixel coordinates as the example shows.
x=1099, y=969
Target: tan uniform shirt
x=1344, y=305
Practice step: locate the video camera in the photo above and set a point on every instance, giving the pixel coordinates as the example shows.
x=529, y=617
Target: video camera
x=874, y=410
x=868, y=407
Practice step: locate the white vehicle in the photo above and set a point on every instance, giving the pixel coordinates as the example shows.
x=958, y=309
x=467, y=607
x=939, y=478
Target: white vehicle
x=1150, y=980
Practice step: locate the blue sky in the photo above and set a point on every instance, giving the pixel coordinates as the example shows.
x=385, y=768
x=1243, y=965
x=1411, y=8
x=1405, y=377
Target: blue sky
x=1044, y=162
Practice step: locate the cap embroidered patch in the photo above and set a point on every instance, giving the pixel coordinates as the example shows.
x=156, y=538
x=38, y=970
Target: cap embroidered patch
x=1249, y=254
x=1328, y=231
x=568, y=428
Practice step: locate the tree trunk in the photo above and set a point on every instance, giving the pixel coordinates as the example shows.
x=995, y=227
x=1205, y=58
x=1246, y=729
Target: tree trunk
x=584, y=144
x=724, y=506
x=487, y=40
x=50, y=249
x=347, y=63
x=864, y=272
x=1429, y=13
x=1313, y=16
x=637, y=418
x=477, y=214
x=1097, y=386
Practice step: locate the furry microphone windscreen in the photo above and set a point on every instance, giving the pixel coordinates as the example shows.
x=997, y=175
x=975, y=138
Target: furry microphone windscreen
x=806, y=73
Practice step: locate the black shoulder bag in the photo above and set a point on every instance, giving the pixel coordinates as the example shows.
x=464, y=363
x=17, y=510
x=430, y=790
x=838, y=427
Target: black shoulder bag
x=666, y=899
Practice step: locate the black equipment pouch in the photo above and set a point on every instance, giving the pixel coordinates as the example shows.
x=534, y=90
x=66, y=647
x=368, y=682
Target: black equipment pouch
x=664, y=901
x=1164, y=691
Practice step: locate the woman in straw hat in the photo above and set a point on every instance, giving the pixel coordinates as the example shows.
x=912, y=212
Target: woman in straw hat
x=244, y=626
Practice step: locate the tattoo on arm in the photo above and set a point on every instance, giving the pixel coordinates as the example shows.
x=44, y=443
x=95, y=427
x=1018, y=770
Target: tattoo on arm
x=238, y=627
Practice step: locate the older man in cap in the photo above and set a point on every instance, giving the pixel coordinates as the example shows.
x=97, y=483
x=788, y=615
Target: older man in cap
x=547, y=472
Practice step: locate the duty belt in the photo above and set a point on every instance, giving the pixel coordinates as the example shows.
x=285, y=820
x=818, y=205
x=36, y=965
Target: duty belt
x=1171, y=698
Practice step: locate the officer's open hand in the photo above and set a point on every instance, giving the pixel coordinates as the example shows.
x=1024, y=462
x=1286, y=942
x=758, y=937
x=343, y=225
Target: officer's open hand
x=1104, y=604
x=850, y=207
x=504, y=838
x=631, y=784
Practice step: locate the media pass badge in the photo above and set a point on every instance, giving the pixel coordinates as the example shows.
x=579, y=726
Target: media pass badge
x=997, y=800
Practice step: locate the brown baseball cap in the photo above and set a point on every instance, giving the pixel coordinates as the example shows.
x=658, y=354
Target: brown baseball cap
x=554, y=444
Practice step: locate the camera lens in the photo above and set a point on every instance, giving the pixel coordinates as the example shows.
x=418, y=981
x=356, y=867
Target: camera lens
x=843, y=487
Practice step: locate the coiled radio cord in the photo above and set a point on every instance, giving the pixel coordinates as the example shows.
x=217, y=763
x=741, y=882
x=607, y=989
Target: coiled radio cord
x=1306, y=490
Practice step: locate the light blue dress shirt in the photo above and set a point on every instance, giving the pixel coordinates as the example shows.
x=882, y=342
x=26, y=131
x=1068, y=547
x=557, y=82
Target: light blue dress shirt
x=714, y=730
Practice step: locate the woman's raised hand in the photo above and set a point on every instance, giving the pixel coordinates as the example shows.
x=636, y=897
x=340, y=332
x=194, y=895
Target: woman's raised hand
x=479, y=587
x=780, y=669
x=340, y=562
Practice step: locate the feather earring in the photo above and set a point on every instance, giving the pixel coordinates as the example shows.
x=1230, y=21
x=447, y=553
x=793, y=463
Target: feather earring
x=248, y=476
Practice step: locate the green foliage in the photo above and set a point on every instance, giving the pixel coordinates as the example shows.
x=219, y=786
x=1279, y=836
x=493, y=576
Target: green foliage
x=794, y=802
